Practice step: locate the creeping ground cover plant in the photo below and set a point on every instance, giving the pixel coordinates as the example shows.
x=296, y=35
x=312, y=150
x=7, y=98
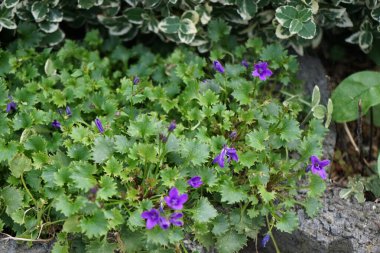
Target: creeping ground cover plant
x=104, y=147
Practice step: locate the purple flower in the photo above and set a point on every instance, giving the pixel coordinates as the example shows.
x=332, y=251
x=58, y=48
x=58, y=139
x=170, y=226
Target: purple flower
x=195, y=182
x=262, y=71
x=163, y=222
x=163, y=138
x=218, y=66
x=11, y=106
x=68, y=111
x=233, y=135
x=265, y=240
x=172, y=126
x=317, y=166
x=136, y=80
x=174, y=219
x=245, y=63
x=174, y=200
x=152, y=218
x=99, y=125
x=229, y=152
x=94, y=190
x=56, y=124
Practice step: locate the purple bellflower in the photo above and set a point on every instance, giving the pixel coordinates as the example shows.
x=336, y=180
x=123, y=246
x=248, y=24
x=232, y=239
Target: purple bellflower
x=152, y=218
x=11, y=106
x=175, y=219
x=265, y=240
x=195, y=182
x=68, y=111
x=99, y=125
x=233, y=135
x=218, y=67
x=174, y=200
x=245, y=63
x=163, y=222
x=136, y=80
x=262, y=71
x=317, y=166
x=226, y=151
x=56, y=124
x=172, y=126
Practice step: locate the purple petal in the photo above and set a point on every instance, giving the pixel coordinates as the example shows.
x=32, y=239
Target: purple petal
x=177, y=223
x=255, y=73
x=164, y=223
x=183, y=198
x=145, y=215
x=151, y=223
x=314, y=159
x=324, y=163
x=220, y=160
x=176, y=216
x=173, y=193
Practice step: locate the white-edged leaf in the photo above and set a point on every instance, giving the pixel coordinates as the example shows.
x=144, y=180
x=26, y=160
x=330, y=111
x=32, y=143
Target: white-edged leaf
x=169, y=24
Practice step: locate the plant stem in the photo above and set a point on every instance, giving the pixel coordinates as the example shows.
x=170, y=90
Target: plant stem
x=271, y=235
x=27, y=190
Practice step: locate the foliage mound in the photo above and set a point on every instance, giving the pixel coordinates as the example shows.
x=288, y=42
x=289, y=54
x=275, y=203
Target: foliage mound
x=197, y=22
x=88, y=144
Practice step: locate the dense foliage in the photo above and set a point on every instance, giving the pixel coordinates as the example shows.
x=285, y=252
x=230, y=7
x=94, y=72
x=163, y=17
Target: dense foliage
x=197, y=22
x=89, y=147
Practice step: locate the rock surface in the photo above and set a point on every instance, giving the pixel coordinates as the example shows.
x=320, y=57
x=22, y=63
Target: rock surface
x=343, y=226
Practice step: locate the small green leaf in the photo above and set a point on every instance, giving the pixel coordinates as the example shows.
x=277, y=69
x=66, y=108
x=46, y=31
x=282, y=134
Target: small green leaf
x=316, y=97
x=287, y=222
x=187, y=27
x=265, y=195
x=49, y=68
x=7, y=23
x=19, y=164
x=39, y=10
x=231, y=194
x=317, y=186
x=103, y=149
x=329, y=113
x=12, y=198
x=107, y=188
x=319, y=111
x=257, y=139
x=231, y=242
x=95, y=225
x=204, y=211
x=312, y=206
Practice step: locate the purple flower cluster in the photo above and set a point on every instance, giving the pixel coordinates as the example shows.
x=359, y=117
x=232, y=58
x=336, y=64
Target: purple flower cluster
x=226, y=151
x=174, y=201
x=155, y=217
x=260, y=70
x=317, y=166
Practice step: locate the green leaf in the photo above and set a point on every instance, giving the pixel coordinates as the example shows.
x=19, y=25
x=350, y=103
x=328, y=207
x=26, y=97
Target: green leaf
x=288, y=222
x=257, y=139
x=103, y=149
x=204, y=211
x=7, y=23
x=113, y=167
x=158, y=236
x=218, y=29
x=290, y=130
x=312, y=206
x=19, y=164
x=194, y=152
x=231, y=242
x=12, y=198
x=169, y=24
x=319, y=111
x=187, y=26
x=364, y=86
x=10, y=3
x=71, y=225
x=39, y=10
x=86, y=4
x=66, y=205
x=295, y=26
x=246, y=9
x=102, y=246
x=95, y=225
x=308, y=30
x=285, y=15
x=329, y=113
x=221, y=225
x=82, y=176
x=49, y=68
x=231, y=194
x=107, y=188
x=265, y=195
x=144, y=126
x=317, y=186
x=378, y=165
x=316, y=96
